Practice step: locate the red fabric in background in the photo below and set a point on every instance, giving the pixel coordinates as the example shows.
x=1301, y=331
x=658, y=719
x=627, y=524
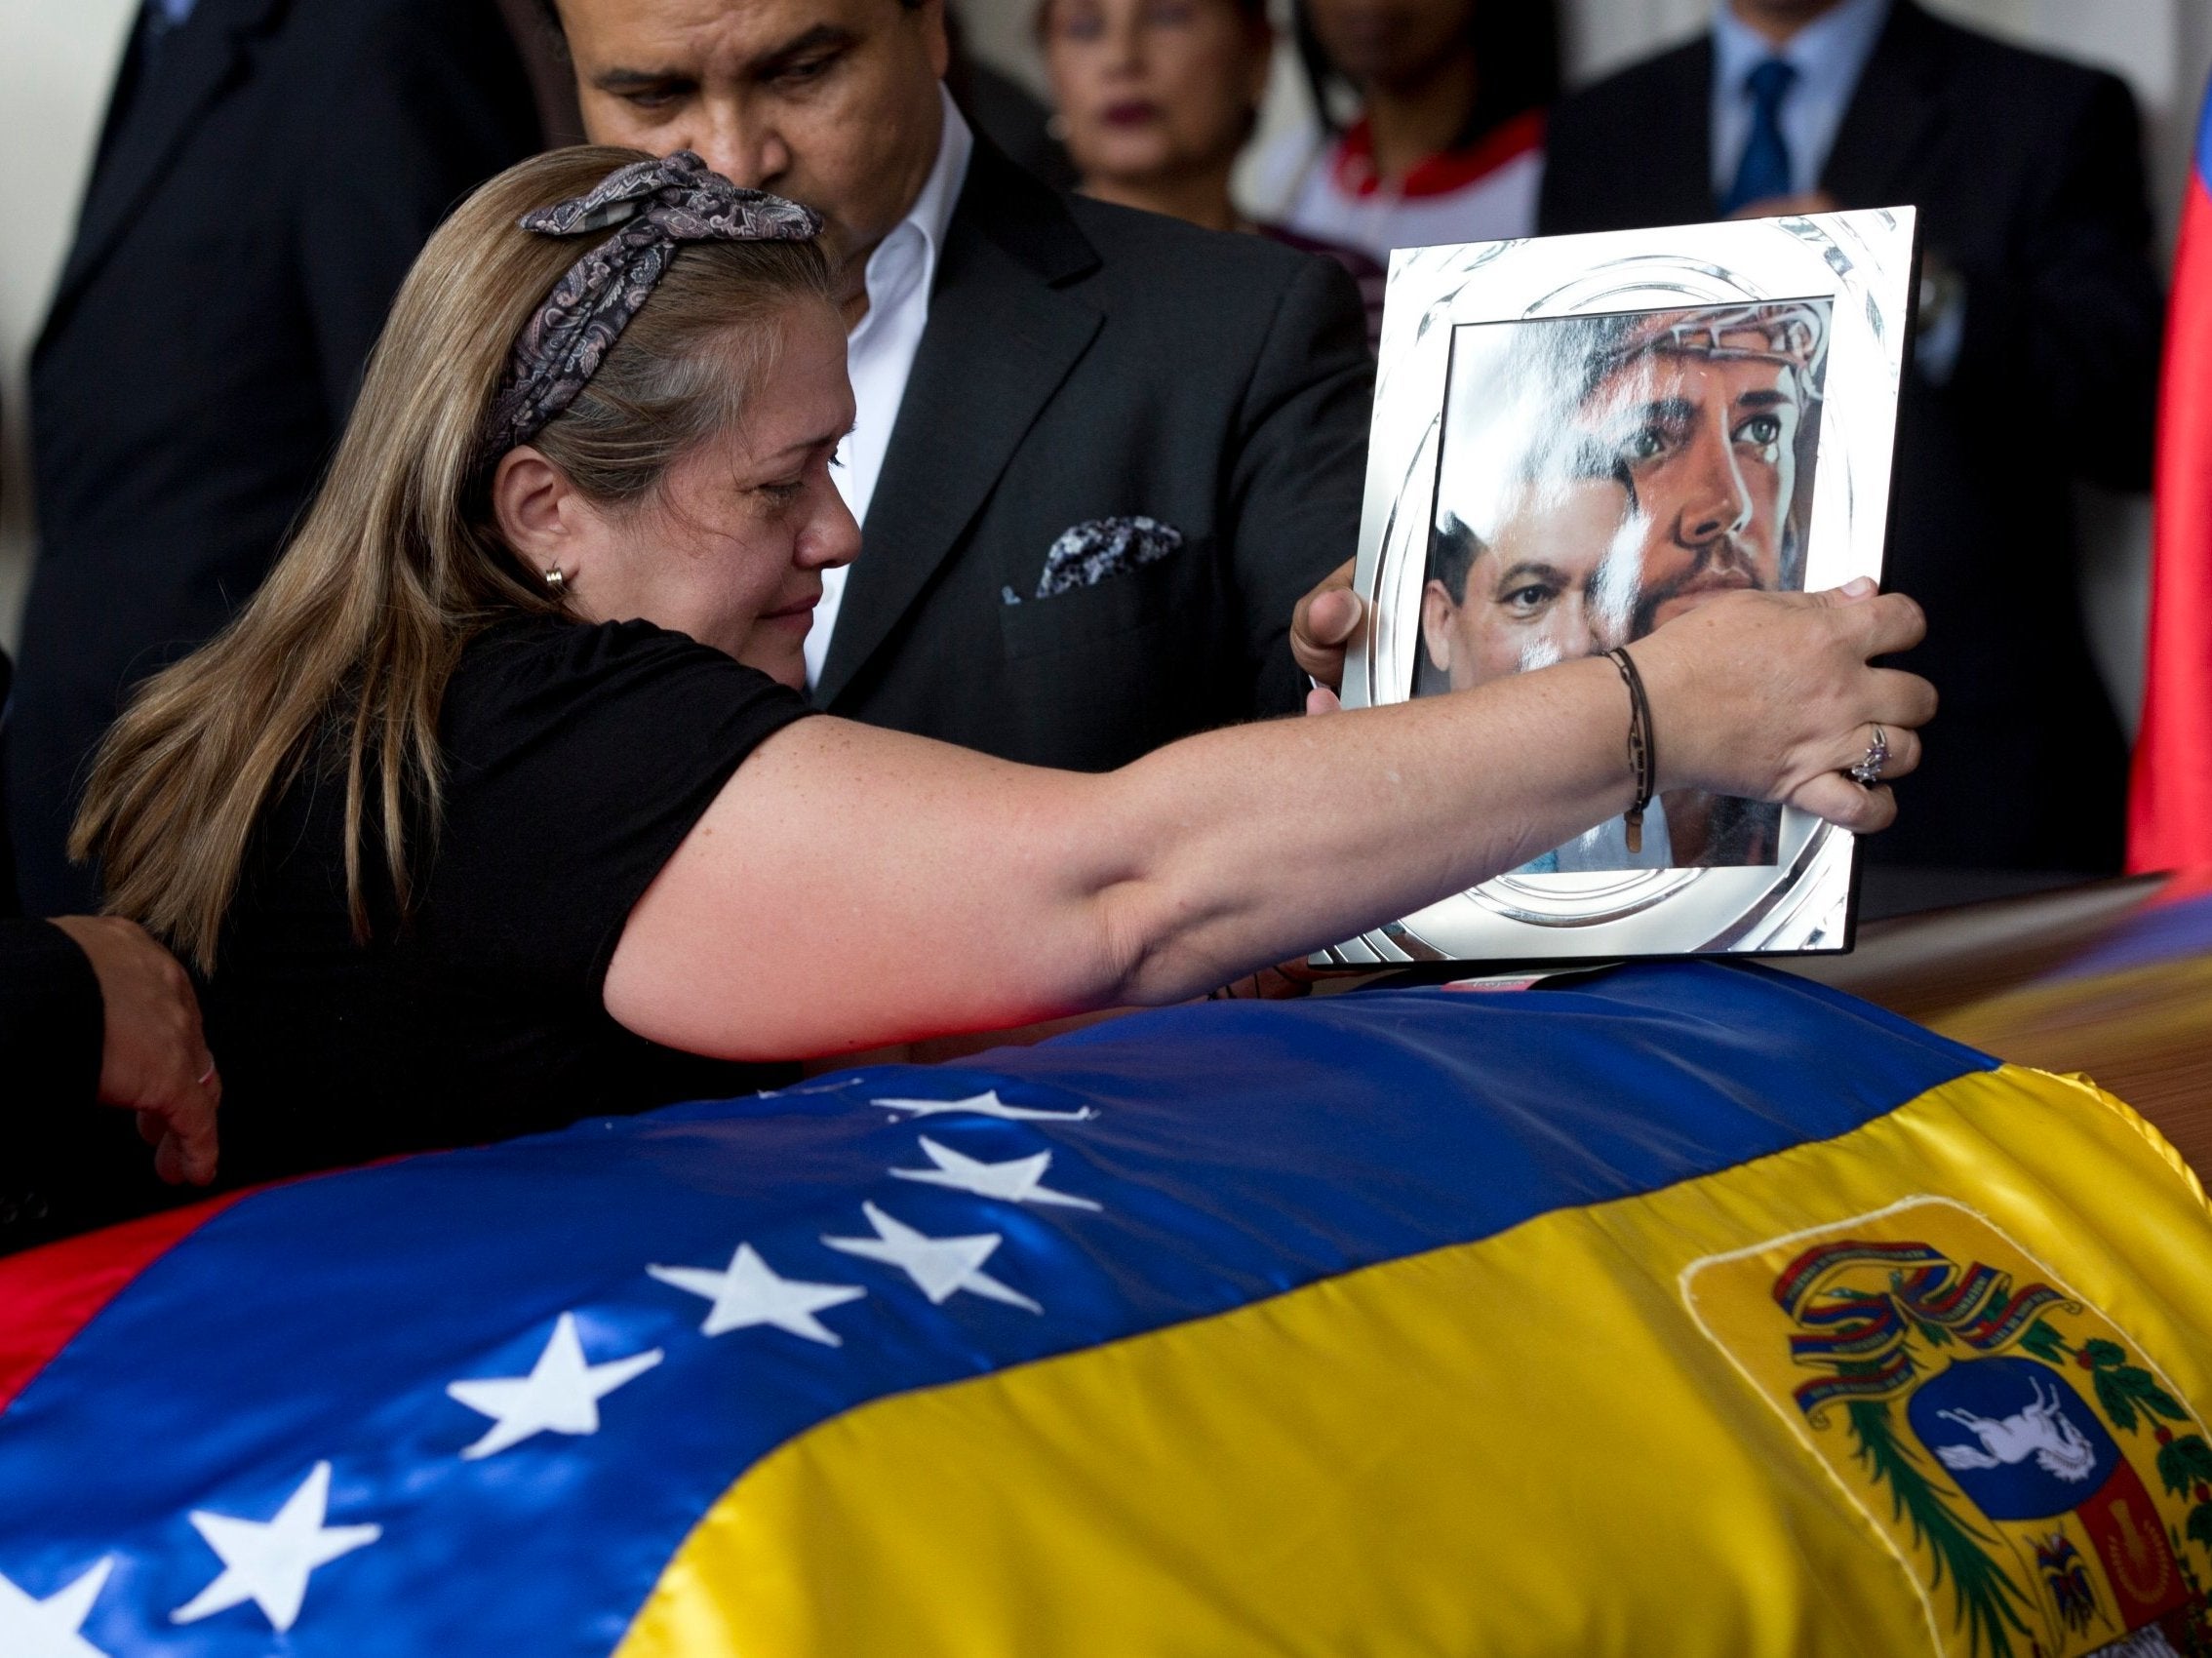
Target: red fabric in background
x=2169, y=819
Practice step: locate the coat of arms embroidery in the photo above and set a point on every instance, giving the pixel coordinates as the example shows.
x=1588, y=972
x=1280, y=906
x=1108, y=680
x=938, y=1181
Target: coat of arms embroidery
x=2044, y=1484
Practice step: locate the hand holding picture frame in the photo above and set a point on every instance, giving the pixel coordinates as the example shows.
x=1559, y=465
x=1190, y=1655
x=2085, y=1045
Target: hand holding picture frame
x=1578, y=438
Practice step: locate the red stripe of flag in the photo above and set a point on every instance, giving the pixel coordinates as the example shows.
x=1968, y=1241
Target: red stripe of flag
x=47, y=1295
x=2170, y=799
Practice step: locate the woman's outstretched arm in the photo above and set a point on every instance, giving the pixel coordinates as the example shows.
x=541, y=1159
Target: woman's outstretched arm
x=851, y=887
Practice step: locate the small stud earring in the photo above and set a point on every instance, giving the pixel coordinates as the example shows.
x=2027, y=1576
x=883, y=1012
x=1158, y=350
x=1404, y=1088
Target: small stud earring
x=556, y=583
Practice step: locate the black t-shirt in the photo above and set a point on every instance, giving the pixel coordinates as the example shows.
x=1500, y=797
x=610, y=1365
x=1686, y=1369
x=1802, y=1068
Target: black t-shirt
x=578, y=757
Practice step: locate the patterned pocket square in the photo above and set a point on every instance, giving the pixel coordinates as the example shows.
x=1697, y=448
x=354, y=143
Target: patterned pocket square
x=1100, y=548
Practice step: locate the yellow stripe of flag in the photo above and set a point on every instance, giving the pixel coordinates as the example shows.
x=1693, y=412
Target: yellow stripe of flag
x=1578, y=1437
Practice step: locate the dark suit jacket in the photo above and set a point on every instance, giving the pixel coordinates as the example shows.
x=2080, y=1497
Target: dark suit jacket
x=255, y=206
x=1085, y=362
x=2029, y=175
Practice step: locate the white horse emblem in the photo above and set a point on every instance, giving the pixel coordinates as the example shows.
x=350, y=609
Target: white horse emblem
x=2039, y=1429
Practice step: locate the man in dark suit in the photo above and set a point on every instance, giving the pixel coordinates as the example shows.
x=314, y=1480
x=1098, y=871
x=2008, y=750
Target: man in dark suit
x=2035, y=362
x=1100, y=454
x=268, y=170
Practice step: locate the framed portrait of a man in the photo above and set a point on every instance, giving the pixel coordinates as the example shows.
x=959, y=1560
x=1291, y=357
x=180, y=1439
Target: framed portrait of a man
x=1577, y=439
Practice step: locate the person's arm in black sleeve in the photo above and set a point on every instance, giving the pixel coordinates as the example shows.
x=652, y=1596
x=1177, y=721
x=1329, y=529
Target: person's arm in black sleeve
x=93, y=1013
x=2077, y=319
x=51, y=1032
x=1301, y=466
x=49, y=1006
x=50, y=1016
x=421, y=101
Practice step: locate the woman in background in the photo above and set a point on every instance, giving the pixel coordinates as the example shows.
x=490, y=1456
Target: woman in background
x=1156, y=98
x=1447, y=143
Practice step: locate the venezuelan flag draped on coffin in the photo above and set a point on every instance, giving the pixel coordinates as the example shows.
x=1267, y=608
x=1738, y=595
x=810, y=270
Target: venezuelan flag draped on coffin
x=1680, y=1310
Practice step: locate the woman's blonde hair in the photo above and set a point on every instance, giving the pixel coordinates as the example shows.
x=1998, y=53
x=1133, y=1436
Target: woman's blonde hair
x=347, y=647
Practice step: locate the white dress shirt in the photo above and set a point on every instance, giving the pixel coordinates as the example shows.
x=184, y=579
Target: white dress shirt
x=878, y=353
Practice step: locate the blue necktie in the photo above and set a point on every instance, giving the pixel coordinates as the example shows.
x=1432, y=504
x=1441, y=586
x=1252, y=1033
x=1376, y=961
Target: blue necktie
x=1765, y=170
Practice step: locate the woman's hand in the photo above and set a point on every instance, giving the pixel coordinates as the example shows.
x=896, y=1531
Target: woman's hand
x=1771, y=696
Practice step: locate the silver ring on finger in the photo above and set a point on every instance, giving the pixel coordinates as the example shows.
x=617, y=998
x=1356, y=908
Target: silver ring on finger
x=1867, y=771
x=206, y=1075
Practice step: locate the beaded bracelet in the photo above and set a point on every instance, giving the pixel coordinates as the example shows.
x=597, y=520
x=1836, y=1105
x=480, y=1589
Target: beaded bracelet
x=1642, y=751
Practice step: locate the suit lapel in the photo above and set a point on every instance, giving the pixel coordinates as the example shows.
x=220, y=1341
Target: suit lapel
x=1000, y=338
x=1893, y=110
x=198, y=64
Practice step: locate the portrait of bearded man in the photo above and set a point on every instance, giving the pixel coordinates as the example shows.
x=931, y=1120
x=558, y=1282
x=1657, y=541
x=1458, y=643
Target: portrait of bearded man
x=1604, y=474
x=1708, y=416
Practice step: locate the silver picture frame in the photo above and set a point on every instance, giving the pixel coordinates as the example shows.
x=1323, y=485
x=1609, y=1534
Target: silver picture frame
x=1851, y=274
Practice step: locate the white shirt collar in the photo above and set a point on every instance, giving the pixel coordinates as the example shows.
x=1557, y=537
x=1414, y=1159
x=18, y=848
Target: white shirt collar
x=909, y=252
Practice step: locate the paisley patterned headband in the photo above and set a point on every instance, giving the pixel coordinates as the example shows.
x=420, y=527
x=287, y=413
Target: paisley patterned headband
x=658, y=205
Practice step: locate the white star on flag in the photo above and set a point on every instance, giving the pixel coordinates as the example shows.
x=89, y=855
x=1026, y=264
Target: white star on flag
x=750, y=1292
x=940, y=1267
x=1019, y=1180
x=268, y=1562
x=48, y=1628
x=985, y=1104
x=561, y=1394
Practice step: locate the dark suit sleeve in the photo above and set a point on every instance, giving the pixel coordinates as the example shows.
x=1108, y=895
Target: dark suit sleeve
x=50, y=1027
x=424, y=101
x=1632, y=149
x=1301, y=466
x=2082, y=304
x=1569, y=199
